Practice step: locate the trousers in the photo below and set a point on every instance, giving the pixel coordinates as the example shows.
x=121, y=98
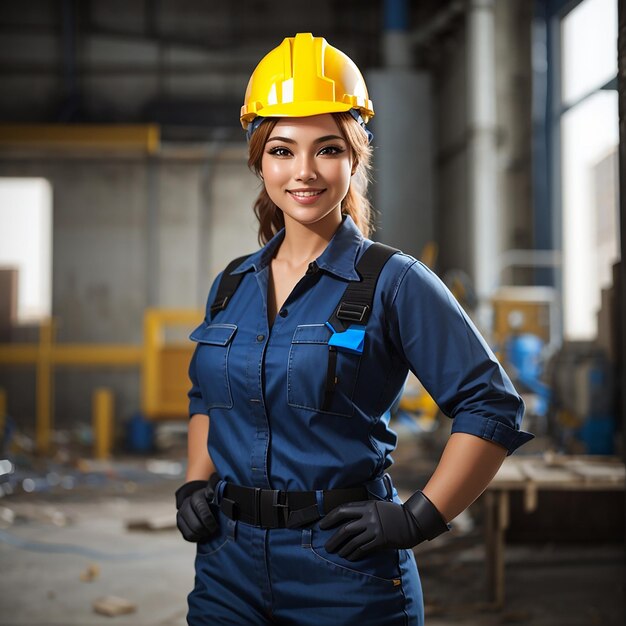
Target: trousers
x=249, y=576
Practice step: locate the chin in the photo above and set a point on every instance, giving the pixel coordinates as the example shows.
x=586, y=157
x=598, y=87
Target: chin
x=308, y=216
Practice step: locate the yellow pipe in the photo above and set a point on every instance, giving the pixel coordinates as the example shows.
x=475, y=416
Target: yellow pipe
x=94, y=355
x=126, y=137
x=3, y=411
x=44, y=388
x=73, y=354
x=102, y=407
x=19, y=354
x=151, y=341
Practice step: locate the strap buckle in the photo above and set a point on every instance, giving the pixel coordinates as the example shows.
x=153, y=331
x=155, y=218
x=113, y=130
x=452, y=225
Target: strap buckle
x=352, y=312
x=219, y=305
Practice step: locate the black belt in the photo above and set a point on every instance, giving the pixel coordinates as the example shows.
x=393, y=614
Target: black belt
x=274, y=508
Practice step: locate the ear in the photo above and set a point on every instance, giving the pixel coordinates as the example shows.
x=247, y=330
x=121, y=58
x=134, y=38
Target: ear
x=355, y=166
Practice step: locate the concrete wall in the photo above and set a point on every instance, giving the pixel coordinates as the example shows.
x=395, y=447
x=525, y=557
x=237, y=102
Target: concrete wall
x=403, y=172
x=129, y=233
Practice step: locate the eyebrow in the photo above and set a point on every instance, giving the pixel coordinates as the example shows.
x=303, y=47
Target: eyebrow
x=319, y=140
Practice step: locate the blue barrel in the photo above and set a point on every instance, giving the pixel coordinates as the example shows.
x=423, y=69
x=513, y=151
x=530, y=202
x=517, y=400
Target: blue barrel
x=139, y=434
x=598, y=434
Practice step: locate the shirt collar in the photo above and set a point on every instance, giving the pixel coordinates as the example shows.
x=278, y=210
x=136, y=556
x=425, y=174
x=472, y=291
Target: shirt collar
x=339, y=256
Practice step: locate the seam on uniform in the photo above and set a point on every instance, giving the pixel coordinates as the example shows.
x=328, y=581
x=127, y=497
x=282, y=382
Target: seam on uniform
x=406, y=615
x=388, y=310
x=265, y=419
x=379, y=452
x=410, y=263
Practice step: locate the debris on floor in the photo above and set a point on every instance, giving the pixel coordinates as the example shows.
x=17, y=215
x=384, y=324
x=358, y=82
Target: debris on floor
x=113, y=605
x=152, y=524
x=90, y=574
x=70, y=472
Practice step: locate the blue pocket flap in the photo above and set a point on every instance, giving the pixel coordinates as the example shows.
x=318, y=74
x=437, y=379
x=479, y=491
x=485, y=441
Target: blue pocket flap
x=215, y=334
x=350, y=340
x=311, y=333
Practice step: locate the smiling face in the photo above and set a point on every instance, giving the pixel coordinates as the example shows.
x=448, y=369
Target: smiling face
x=306, y=167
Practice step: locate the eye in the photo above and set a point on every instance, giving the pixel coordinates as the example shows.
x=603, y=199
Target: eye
x=279, y=151
x=331, y=150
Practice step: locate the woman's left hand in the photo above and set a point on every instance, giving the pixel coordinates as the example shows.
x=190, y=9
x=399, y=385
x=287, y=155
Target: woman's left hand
x=369, y=526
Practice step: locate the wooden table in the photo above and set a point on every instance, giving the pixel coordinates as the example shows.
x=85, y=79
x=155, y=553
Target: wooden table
x=529, y=475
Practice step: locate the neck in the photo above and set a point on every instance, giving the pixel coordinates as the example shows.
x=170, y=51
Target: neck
x=304, y=242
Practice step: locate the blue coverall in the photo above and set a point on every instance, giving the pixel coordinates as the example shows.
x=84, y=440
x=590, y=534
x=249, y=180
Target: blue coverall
x=263, y=385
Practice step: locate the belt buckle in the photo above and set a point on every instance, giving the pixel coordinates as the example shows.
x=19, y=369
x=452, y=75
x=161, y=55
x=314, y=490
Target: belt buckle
x=280, y=512
x=268, y=502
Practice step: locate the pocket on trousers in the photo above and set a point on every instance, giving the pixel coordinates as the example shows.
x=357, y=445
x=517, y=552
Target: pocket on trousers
x=308, y=371
x=381, y=567
x=216, y=541
x=212, y=363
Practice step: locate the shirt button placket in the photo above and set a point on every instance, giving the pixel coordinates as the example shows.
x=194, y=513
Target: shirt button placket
x=260, y=444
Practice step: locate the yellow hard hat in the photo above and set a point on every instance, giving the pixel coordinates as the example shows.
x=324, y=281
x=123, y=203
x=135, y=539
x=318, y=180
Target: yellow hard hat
x=305, y=76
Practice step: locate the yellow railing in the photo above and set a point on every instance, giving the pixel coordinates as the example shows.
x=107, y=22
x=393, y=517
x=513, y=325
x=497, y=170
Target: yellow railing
x=163, y=366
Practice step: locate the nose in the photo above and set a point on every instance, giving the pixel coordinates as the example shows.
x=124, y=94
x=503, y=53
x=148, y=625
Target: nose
x=305, y=168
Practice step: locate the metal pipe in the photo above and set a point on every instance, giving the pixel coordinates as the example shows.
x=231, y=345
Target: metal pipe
x=482, y=192
x=621, y=305
x=396, y=40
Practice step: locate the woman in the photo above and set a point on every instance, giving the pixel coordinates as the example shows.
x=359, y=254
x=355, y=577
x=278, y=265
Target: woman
x=304, y=348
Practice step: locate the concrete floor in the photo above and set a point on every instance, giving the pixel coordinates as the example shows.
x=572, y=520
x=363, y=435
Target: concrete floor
x=47, y=540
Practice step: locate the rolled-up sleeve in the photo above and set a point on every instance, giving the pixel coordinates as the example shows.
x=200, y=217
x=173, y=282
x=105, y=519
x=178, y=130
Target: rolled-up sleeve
x=443, y=348
x=196, y=401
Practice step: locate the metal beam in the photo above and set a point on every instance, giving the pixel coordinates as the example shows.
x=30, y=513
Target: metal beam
x=120, y=137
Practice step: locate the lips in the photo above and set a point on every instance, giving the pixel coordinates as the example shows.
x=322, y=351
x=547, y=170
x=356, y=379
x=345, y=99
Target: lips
x=305, y=193
x=306, y=197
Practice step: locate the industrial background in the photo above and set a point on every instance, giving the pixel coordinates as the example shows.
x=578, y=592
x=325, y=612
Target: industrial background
x=124, y=190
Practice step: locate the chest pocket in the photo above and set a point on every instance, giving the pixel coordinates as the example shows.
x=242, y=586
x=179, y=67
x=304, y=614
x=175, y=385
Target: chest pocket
x=212, y=363
x=308, y=370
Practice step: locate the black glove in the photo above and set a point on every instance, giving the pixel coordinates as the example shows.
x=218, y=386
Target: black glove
x=373, y=525
x=194, y=518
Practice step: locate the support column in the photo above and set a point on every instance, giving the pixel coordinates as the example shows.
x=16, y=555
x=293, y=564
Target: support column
x=482, y=128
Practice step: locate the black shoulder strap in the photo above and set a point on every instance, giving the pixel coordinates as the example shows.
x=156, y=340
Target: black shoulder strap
x=356, y=303
x=228, y=285
x=355, y=307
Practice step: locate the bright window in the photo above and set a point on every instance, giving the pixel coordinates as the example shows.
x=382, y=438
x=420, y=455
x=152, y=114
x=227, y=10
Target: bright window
x=26, y=242
x=589, y=140
x=589, y=39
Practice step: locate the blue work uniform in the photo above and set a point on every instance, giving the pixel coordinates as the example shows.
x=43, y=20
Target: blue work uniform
x=263, y=384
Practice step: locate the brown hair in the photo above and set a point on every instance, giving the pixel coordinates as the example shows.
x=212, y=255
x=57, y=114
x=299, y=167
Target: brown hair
x=355, y=204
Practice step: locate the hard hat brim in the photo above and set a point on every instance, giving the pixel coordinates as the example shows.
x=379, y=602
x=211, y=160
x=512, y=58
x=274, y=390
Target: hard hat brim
x=297, y=109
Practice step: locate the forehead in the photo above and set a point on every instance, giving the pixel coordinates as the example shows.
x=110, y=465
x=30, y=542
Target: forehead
x=309, y=127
